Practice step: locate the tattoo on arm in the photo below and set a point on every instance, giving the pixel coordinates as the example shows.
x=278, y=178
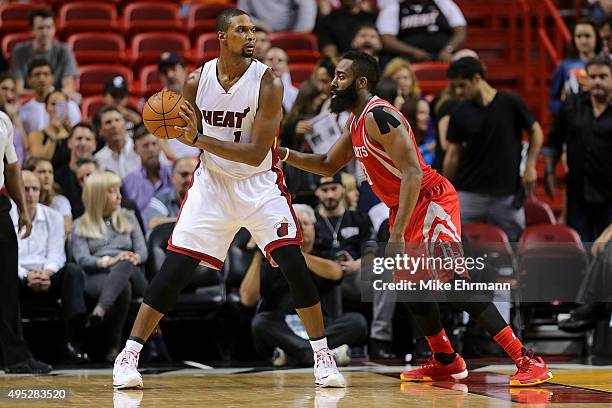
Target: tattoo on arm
x=384, y=119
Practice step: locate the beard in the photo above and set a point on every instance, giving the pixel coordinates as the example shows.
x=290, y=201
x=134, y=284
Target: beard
x=331, y=203
x=344, y=99
x=247, y=53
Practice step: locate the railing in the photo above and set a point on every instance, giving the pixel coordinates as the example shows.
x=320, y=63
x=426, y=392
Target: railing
x=550, y=49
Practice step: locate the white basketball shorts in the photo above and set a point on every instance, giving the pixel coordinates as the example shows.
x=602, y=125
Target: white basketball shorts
x=216, y=206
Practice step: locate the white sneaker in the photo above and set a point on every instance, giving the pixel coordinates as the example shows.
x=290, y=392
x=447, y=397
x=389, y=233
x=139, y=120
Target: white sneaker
x=325, y=371
x=342, y=355
x=125, y=372
x=279, y=358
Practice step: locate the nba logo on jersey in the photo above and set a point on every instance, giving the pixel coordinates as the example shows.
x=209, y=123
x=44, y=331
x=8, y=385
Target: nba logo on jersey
x=282, y=227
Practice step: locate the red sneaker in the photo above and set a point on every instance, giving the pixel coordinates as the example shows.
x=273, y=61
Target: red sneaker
x=433, y=370
x=530, y=371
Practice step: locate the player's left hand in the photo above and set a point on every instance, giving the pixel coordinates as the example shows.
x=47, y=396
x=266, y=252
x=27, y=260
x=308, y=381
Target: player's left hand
x=190, y=130
x=529, y=179
x=395, y=246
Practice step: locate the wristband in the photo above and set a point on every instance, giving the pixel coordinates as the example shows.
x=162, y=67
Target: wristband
x=195, y=139
x=284, y=159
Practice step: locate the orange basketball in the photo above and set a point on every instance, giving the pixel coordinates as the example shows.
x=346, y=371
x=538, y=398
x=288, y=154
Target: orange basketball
x=161, y=114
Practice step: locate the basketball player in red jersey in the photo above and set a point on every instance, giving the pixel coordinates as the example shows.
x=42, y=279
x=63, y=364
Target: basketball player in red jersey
x=236, y=101
x=424, y=210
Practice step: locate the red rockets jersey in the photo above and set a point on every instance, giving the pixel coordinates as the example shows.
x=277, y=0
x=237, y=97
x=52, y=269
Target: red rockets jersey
x=379, y=170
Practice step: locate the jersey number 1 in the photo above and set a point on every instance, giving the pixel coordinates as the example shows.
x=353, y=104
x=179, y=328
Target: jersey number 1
x=237, y=136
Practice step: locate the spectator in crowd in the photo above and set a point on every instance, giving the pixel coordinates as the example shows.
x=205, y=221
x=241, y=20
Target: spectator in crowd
x=483, y=156
x=602, y=10
x=595, y=294
x=33, y=114
x=172, y=71
x=443, y=104
x=9, y=104
x=49, y=194
x=417, y=112
x=351, y=192
x=118, y=154
x=570, y=76
x=108, y=244
x=166, y=204
x=605, y=33
x=402, y=73
x=81, y=144
x=15, y=353
x=367, y=39
x=327, y=6
x=59, y=55
x=153, y=177
x=282, y=15
x=278, y=60
x=584, y=124
x=421, y=30
x=335, y=38
x=116, y=95
x=262, y=43
x=44, y=272
x=340, y=234
x=51, y=142
x=277, y=331
x=172, y=74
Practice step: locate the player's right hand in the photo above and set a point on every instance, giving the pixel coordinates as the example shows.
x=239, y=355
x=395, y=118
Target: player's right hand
x=190, y=130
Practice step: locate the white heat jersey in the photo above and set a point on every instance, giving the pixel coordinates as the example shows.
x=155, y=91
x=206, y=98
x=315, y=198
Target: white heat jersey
x=229, y=116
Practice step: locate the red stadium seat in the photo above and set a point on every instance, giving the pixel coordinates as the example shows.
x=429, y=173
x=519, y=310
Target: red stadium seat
x=301, y=72
x=91, y=48
x=87, y=16
x=92, y=105
x=202, y=17
x=147, y=47
x=487, y=238
x=303, y=56
x=431, y=76
x=552, y=263
x=538, y=212
x=151, y=16
x=92, y=77
x=10, y=40
x=15, y=17
x=207, y=48
x=149, y=81
x=294, y=41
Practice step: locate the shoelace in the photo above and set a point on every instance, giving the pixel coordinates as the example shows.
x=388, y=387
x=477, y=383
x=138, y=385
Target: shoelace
x=524, y=364
x=325, y=360
x=129, y=360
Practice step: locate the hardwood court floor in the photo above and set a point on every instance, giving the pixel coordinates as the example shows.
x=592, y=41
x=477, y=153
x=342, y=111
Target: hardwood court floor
x=370, y=386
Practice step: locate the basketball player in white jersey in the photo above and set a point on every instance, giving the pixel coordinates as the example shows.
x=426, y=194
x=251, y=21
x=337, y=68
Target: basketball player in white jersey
x=238, y=109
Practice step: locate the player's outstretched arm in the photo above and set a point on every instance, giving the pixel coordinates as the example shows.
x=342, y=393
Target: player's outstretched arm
x=386, y=127
x=265, y=126
x=326, y=164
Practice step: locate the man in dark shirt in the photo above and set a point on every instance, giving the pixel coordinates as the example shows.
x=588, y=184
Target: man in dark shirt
x=483, y=157
x=277, y=331
x=584, y=124
x=421, y=30
x=334, y=38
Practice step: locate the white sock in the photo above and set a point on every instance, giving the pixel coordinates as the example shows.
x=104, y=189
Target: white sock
x=134, y=346
x=318, y=345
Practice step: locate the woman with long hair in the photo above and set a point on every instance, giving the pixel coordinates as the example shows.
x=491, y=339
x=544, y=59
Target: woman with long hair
x=570, y=75
x=400, y=70
x=50, y=191
x=417, y=112
x=52, y=142
x=109, y=245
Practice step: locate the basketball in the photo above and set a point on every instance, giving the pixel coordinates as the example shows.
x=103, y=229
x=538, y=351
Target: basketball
x=161, y=114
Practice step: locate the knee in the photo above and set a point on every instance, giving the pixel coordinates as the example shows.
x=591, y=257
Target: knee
x=74, y=272
x=258, y=326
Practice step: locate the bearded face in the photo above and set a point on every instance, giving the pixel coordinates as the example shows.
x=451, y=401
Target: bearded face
x=343, y=99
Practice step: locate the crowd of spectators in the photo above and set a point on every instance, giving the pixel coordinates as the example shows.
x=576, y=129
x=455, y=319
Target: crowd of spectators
x=96, y=190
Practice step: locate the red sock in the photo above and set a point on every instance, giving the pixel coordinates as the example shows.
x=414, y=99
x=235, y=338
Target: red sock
x=509, y=342
x=439, y=343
